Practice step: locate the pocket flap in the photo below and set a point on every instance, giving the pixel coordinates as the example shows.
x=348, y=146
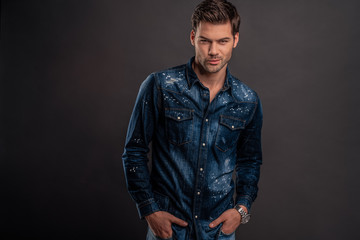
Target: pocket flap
x=232, y=123
x=179, y=114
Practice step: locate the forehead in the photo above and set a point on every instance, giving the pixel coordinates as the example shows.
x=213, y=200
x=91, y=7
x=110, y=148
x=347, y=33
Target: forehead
x=214, y=31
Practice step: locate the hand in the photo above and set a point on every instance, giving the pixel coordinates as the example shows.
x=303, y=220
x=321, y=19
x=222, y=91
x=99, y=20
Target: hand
x=231, y=219
x=160, y=223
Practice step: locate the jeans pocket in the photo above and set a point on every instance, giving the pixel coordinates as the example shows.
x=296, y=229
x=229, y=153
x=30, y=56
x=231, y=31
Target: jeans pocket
x=151, y=236
x=224, y=236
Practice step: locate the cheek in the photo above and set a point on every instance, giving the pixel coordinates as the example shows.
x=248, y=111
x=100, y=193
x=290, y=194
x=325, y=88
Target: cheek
x=227, y=51
x=201, y=50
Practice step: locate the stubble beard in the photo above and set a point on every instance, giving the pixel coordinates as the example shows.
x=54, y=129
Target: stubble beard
x=208, y=68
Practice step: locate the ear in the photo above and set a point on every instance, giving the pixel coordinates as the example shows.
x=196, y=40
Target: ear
x=236, y=40
x=192, y=37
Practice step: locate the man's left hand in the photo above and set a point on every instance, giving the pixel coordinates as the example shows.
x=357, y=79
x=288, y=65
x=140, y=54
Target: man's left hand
x=231, y=220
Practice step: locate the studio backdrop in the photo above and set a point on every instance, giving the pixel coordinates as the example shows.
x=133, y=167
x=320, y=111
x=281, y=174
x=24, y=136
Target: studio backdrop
x=70, y=73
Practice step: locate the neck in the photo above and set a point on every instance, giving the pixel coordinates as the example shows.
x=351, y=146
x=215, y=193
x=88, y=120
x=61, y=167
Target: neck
x=210, y=80
x=213, y=81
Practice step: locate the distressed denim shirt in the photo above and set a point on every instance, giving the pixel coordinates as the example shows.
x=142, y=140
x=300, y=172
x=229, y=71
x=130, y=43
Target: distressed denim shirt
x=196, y=146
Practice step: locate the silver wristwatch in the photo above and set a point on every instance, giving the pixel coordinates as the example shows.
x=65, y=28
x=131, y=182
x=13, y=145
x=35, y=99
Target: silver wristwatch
x=245, y=217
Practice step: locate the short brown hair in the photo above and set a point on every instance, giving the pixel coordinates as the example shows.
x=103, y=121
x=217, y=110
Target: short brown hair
x=216, y=11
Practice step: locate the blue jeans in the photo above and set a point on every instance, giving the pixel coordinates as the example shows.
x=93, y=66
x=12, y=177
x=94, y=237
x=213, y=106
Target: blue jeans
x=220, y=236
x=150, y=236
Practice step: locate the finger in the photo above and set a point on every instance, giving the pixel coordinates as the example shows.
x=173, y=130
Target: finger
x=229, y=226
x=216, y=221
x=178, y=221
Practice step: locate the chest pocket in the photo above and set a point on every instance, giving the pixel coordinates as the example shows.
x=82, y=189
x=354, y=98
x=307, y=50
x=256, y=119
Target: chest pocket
x=179, y=125
x=228, y=132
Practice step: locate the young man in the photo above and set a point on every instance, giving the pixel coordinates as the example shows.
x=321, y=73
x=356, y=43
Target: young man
x=204, y=124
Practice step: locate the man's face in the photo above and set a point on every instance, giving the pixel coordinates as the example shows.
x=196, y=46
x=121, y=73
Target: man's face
x=213, y=45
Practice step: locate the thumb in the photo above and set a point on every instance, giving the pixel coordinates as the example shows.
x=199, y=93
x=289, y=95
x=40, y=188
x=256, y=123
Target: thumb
x=217, y=221
x=178, y=221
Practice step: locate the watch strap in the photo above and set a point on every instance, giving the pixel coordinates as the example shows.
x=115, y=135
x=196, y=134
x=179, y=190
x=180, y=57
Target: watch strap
x=245, y=217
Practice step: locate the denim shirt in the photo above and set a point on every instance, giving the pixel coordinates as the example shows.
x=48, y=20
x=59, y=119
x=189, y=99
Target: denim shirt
x=196, y=146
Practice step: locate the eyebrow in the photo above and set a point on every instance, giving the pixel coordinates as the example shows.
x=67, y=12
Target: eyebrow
x=225, y=38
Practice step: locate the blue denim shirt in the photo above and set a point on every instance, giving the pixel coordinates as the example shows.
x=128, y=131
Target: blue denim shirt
x=196, y=146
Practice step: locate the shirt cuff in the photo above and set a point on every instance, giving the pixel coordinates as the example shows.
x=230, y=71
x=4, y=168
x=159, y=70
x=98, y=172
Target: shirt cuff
x=147, y=207
x=245, y=201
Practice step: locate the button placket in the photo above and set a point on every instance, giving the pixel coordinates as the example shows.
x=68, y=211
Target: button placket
x=202, y=157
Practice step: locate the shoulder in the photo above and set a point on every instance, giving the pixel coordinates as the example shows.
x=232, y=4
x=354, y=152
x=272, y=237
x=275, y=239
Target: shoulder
x=166, y=78
x=242, y=92
x=167, y=74
x=172, y=79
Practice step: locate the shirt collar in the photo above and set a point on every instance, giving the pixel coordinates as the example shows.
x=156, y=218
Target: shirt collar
x=192, y=77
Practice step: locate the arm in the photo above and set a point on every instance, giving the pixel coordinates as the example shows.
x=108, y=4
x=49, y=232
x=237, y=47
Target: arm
x=249, y=159
x=140, y=131
x=139, y=135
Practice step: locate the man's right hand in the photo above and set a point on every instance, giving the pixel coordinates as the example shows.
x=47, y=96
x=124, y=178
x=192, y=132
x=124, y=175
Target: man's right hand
x=160, y=223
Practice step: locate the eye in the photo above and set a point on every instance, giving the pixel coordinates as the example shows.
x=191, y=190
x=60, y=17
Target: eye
x=203, y=41
x=224, y=41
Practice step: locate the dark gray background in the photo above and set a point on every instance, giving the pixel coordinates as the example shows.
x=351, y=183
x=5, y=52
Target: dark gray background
x=70, y=72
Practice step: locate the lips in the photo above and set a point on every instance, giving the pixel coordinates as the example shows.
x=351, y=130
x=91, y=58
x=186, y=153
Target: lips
x=214, y=61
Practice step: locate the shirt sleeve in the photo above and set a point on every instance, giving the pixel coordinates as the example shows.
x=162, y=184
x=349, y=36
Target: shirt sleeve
x=249, y=159
x=139, y=135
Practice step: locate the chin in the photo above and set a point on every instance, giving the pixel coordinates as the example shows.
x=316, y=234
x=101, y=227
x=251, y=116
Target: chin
x=215, y=69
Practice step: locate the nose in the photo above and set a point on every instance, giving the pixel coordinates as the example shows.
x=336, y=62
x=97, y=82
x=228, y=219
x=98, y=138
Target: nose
x=213, y=49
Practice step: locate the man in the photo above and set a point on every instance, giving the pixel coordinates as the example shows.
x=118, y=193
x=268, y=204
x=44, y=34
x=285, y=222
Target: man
x=203, y=124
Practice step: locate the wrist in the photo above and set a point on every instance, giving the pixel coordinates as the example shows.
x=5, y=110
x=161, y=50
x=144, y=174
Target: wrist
x=242, y=210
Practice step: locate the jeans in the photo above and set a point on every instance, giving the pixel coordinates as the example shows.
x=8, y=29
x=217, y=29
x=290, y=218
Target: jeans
x=220, y=236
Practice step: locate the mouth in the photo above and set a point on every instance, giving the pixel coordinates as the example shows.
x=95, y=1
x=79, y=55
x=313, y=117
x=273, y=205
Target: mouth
x=213, y=61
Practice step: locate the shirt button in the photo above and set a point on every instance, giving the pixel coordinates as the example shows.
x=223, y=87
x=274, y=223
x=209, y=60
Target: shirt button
x=204, y=144
x=232, y=127
x=178, y=118
x=198, y=193
x=207, y=120
x=201, y=169
x=196, y=216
